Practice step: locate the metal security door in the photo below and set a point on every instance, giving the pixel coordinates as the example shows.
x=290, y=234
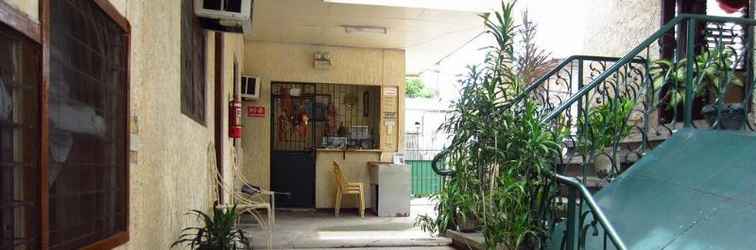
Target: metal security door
x=292, y=165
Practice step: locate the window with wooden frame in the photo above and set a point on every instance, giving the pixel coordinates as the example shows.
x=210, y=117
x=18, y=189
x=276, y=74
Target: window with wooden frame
x=193, y=82
x=20, y=81
x=87, y=120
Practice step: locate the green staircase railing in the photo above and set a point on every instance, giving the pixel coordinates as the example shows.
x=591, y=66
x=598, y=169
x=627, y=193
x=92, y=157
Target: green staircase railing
x=643, y=95
x=708, y=83
x=563, y=81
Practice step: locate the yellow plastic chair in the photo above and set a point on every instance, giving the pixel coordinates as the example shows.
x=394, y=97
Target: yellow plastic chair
x=347, y=188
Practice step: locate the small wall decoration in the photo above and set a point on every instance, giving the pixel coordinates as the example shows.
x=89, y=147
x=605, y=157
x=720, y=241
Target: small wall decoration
x=255, y=111
x=322, y=60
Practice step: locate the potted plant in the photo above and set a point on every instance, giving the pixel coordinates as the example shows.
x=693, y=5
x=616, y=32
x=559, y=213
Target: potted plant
x=466, y=219
x=603, y=127
x=456, y=209
x=714, y=79
x=463, y=198
x=217, y=233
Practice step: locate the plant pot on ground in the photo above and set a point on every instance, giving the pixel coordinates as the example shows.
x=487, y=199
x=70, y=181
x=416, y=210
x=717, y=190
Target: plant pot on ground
x=217, y=231
x=603, y=165
x=467, y=224
x=729, y=116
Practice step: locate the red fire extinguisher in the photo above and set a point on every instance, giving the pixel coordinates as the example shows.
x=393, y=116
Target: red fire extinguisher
x=234, y=116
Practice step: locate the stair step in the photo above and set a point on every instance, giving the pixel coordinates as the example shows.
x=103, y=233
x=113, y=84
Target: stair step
x=577, y=160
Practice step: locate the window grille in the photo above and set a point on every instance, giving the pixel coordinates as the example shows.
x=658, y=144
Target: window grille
x=88, y=93
x=19, y=141
x=338, y=116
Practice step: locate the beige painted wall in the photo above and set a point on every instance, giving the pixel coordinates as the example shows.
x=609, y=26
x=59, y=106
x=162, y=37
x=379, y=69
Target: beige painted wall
x=170, y=176
x=169, y=159
x=293, y=62
x=613, y=28
x=29, y=7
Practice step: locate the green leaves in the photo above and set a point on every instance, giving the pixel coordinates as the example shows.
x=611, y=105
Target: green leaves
x=217, y=233
x=605, y=125
x=501, y=153
x=713, y=72
x=417, y=89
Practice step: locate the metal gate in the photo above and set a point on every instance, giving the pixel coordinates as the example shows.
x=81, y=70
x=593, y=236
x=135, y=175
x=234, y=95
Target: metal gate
x=292, y=165
x=425, y=182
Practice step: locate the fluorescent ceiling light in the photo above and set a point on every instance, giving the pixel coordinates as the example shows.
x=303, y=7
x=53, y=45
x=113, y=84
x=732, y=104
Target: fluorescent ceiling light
x=365, y=29
x=455, y=5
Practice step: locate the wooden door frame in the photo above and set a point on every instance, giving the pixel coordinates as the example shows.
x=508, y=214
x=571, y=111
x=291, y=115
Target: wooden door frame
x=219, y=89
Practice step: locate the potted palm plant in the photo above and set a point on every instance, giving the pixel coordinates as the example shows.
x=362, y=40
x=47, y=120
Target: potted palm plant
x=714, y=79
x=217, y=233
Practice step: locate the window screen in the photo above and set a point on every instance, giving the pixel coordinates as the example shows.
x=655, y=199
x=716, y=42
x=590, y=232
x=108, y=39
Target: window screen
x=87, y=125
x=19, y=141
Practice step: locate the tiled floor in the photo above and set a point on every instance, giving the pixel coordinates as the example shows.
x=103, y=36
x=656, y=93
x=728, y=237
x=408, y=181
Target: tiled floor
x=322, y=230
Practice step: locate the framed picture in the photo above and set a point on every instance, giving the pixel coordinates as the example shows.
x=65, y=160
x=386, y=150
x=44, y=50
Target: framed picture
x=321, y=107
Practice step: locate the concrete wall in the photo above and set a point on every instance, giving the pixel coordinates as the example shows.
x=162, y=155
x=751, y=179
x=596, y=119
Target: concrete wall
x=612, y=28
x=169, y=158
x=293, y=62
x=170, y=175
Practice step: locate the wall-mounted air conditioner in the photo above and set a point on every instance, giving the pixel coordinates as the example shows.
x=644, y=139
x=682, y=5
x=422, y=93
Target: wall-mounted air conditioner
x=250, y=87
x=225, y=15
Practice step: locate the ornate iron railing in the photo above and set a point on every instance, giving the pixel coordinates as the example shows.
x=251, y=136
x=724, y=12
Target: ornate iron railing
x=708, y=83
x=573, y=228
x=563, y=81
x=630, y=103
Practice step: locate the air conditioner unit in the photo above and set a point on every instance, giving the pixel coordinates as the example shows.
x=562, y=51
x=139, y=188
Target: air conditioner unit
x=250, y=87
x=225, y=15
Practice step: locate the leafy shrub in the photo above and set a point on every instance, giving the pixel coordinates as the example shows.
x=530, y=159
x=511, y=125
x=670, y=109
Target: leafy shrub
x=217, y=233
x=501, y=153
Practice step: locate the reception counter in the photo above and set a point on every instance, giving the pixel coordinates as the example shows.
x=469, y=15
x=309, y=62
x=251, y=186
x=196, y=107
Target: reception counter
x=387, y=185
x=354, y=166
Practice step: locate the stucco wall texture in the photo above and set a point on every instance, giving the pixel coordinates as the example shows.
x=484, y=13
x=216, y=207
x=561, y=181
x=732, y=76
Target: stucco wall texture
x=613, y=28
x=170, y=173
x=168, y=170
x=293, y=62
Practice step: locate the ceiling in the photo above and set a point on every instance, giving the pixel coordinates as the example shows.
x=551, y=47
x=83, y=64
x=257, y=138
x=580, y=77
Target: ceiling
x=427, y=35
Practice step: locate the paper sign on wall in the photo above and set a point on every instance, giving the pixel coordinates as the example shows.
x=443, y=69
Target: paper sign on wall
x=389, y=117
x=390, y=91
x=255, y=111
